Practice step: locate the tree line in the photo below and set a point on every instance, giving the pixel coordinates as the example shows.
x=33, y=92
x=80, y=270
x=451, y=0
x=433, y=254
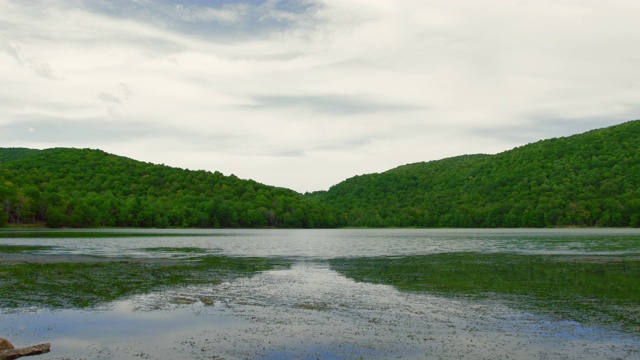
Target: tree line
x=89, y=188
x=591, y=179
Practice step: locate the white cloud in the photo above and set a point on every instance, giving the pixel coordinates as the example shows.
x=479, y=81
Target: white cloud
x=303, y=94
x=228, y=14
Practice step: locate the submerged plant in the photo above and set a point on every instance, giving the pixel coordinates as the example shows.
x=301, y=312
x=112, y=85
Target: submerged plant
x=80, y=281
x=586, y=288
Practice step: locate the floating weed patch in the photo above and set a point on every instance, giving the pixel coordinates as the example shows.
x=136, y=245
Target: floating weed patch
x=83, y=284
x=182, y=253
x=589, y=289
x=48, y=233
x=186, y=250
x=316, y=307
x=9, y=249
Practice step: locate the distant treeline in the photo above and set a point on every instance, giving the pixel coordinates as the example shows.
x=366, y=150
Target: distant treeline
x=90, y=188
x=591, y=179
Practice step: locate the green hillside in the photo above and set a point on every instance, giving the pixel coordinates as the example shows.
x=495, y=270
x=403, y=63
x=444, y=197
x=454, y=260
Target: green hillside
x=591, y=179
x=88, y=188
x=9, y=154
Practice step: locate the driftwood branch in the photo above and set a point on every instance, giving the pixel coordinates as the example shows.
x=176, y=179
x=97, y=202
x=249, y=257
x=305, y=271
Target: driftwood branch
x=8, y=352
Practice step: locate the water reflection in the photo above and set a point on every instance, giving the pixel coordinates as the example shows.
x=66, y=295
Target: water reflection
x=308, y=311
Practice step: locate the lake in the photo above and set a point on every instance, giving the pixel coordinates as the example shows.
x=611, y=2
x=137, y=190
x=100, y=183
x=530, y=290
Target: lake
x=330, y=294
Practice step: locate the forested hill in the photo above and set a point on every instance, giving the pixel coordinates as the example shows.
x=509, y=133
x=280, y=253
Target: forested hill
x=87, y=188
x=9, y=154
x=590, y=179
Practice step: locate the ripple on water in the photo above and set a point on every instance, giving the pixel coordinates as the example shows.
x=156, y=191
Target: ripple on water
x=308, y=311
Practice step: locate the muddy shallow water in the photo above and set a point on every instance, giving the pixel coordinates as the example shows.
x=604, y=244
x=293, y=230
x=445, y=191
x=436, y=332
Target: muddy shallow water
x=307, y=309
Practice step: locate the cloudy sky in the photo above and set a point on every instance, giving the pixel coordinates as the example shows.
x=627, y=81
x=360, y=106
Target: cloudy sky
x=306, y=93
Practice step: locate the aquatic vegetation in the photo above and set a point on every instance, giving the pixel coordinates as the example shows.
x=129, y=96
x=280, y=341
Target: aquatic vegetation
x=81, y=281
x=586, y=288
x=49, y=234
x=285, y=294
x=8, y=249
x=185, y=250
x=316, y=307
x=180, y=252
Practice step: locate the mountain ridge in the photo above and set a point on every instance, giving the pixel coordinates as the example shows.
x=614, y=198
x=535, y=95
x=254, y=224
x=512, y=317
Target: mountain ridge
x=88, y=188
x=548, y=183
x=588, y=179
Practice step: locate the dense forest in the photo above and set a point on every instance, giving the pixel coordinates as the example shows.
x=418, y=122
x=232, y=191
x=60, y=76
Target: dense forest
x=89, y=188
x=591, y=179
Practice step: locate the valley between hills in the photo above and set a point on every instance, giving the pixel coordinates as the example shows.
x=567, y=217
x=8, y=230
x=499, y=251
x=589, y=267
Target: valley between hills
x=589, y=179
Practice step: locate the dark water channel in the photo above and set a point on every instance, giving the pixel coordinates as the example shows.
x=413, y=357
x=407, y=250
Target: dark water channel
x=330, y=294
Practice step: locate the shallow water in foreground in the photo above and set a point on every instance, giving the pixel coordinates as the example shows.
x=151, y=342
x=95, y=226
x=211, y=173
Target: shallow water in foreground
x=305, y=307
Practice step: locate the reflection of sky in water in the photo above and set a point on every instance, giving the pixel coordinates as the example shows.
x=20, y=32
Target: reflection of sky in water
x=308, y=311
x=324, y=244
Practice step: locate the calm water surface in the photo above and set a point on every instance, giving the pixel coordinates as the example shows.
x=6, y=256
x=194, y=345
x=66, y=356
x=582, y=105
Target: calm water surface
x=308, y=310
x=327, y=244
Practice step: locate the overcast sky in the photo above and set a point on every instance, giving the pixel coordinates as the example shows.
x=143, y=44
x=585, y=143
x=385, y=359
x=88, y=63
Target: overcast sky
x=304, y=94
